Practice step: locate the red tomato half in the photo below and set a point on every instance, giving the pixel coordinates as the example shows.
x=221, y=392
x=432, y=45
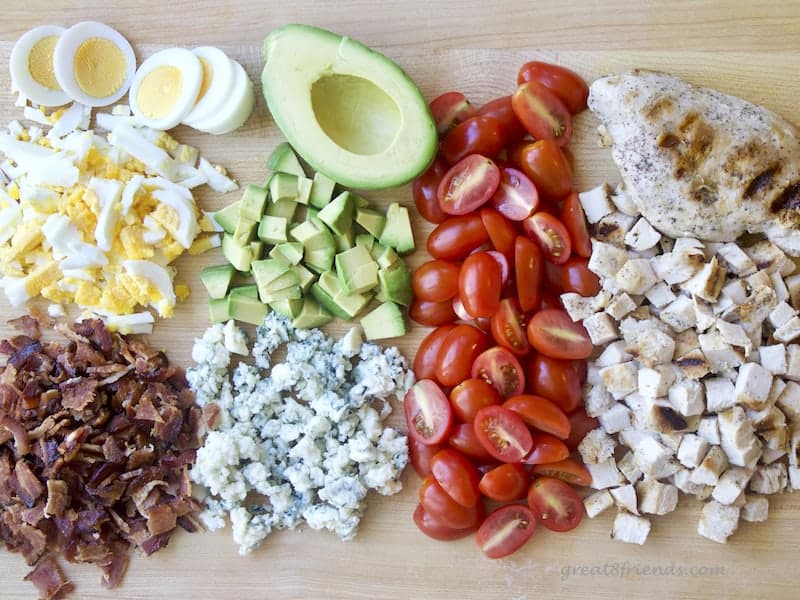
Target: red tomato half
x=480, y=282
x=508, y=327
x=468, y=185
x=516, y=197
x=420, y=455
x=527, y=273
x=505, y=483
x=500, y=109
x=506, y=530
x=425, y=188
x=459, y=350
x=551, y=236
x=476, y=135
x=457, y=476
x=556, y=380
x=469, y=396
x=456, y=237
x=442, y=508
x=433, y=529
x=542, y=113
x=504, y=435
x=566, y=84
x=428, y=413
x=500, y=368
x=567, y=470
x=450, y=109
x=432, y=314
x=555, y=504
x=548, y=168
x=554, y=334
x=428, y=352
x=541, y=413
x=546, y=449
x=575, y=221
x=466, y=441
x=576, y=277
x=501, y=232
x=435, y=281
x=580, y=424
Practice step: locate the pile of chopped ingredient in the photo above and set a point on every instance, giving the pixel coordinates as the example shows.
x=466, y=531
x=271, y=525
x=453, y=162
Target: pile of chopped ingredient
x=96, y=439
x=697, y=388
x=95, y=220
x=299, y=441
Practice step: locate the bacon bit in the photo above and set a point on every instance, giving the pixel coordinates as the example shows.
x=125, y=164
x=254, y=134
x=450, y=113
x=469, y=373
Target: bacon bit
x=49, y=579
x=57, y=498
x=78, y=393
x=161, y=519
x=114, y=568
x=27, y=325
x=17, y=430
x=26, y=484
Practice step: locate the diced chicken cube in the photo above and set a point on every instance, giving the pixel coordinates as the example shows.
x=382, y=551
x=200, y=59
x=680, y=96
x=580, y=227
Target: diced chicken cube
x=687, y=397
x=613, y=228
x=601, y=328
x=680, y=314
x=755, y=309
x=636, y=276
x=735, y=290
x=736, y=260
x=619, y=378
x=719, y=354
x=685, y=342
x=703, y=314
x=616, y=419
x=768, y=455
x=711, y=467
x=759, y=279
x=621, y=304
x=692, y=451
x=671, y=440
x=693, y=365
x=605, y=474
x=678, y=266
x=793, y=362
x=734, y=334
x=642, y=236
x=613, y=354
x=781, y=291
x=793, y=285
x=606, y=259
x=794, y=478
x=720, y=394
x=655, y=382
x=707, y=282
x=766, y=256
x=597, y=503
x=737, y=437
x=794, y=445
x=633, y=437
x=631, y=529
x=660, y=295
x=769, y=479
x=624, y=202
x=781, y=314
x=753, y=386
x=718, y=521
x=596, y=203
x=578, y=307
x=688, y=243
x=773, y=358
x=597, y=446
x=625, y=498
x=651, y=347
x=731, y=484
x=659, y=416
x=789, y=401
x=627, y=465
x=708, y=429
x=597, y=400
x=653, y=458
x=656, y=498
x=788, y=331
x=755, y=508
x=682, y=480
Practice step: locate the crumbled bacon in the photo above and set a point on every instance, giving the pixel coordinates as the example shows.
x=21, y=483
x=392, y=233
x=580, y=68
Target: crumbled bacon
x=97, y=436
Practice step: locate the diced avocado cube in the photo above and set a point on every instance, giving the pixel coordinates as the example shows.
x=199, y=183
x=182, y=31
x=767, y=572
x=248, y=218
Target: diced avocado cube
x=312, y=315
x=245, y=230
x=303, y=190
x=360, y=201
x=366, y=240
x=227, y=217
x=312, y=214
x=319, y=260
x=272, y=230
x=218, y=309
x=250, y=291
x=247, y=309
x=338, y=214
x=289, y=279
x=304, y=232
x=268, y=270
x=397, y=232
x=326, y=301
x=345, y=241
x=321, y=190
x=356, y=270
x=283, y=186
x=291, y=251
x=282, y=208
x=330, y=293
x=386, y=321
x=395, y=282
x=306, y=277
x=384, y=256
x=253, y=202
x=290, y=293
x=288, y=308
x=371, y=220
x=257, y=248
x=284, y=160
x=239, y=256
x=380, y=297
x=217, y=280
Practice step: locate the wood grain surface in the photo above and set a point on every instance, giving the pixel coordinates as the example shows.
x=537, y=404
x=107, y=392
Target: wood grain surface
x=748, y=48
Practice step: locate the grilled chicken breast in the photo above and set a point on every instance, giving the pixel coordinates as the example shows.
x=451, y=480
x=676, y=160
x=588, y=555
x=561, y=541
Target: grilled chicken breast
x=701, y=163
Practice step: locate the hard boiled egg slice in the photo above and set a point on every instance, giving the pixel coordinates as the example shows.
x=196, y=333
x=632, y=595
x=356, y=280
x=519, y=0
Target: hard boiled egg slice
x=218, y=79
x=94, y=64
x=31, y=64
x=165, y=88
x=238, y=108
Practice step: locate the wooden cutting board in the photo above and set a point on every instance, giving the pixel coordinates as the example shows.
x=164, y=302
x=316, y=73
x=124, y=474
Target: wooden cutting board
x=475, y=47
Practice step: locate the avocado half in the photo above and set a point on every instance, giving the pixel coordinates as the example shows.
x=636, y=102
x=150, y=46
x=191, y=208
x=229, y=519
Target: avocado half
x=349, y=111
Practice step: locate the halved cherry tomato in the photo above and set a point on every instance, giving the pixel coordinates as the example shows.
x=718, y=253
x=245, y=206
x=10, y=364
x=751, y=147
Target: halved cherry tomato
x=480, y=282
x=457, y=237
x=555, y=504
x=505, y=483
x=576, y=277
x=500, y=109
x=435, y=281
x=580, y=424
x=566, y=84
x=553, y=275
x=500, y=368
x=450, y=109
x=468, y=185
x=429, y=416
x=555, y=380
x=508, y=327
x=501, y=232
x=554, y=334
x=541, y=413
x=424, y=190
x=502, y=261
x=432, y=314
x=542, y=113
x=459, y=350
x=575, y=221
x=546, y=449
x=420, y=455
x=516, y=197
x=442, y=508
x=504, y=435
x=551, y=236
x=476, y=135
x=466, y=441
x=567, y=470
x=528, y=273
x=428, y=352
x=433, y=529
x=469, y=396
x=506, y=530
x=548, y=168
x=550, y=299
x=457, y=476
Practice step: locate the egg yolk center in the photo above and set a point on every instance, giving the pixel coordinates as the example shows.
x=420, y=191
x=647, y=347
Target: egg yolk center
x=159, y=91
x=100, y=67
x=208, y=75
x=40, y=62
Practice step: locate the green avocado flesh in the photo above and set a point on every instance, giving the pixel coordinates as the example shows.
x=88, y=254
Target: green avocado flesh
x=350, y=112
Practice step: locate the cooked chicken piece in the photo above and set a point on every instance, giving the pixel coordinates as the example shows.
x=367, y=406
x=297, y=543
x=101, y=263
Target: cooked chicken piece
x=755, y=509
x=687, y=397
x=731, y=485
x=708, y=429
x=692, y=451
x=718, y=522
x=597, y=503
x=753, y=386
x=642, y=236
x=710, y=468
x=630, y=528
x=597, y=446
x=773, y=358
x=625, y=498
x=605, y=474
x=627, y=465
x=613, y=229
x=701, y=163
x=656, y=498
x=769, y=479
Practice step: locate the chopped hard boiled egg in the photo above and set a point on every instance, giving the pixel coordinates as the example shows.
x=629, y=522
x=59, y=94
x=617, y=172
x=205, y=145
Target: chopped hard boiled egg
x=218, y=80
x=32, y=73
x=237, y=109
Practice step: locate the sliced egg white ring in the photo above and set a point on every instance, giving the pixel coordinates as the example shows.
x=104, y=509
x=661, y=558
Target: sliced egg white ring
x=165, y=88
x=238, y=108
x=94, y=64
x=32, y=66
x=219, y=76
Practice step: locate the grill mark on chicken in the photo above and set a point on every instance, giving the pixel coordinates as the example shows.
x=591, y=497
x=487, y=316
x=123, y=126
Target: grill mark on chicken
x=657, y=108
x=761, y=182
x=672, y=418
x=789, y=198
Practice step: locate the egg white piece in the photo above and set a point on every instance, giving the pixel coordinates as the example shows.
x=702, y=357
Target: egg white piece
x=136, y=323
x=236, y=111
x=165, y=88
x=22, y=80
x=89, y=46
x=108, y=192
x=159, y=277
x=218, y=79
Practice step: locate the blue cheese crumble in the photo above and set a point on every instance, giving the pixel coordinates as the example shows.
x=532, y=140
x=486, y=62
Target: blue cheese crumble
x=299, y=441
